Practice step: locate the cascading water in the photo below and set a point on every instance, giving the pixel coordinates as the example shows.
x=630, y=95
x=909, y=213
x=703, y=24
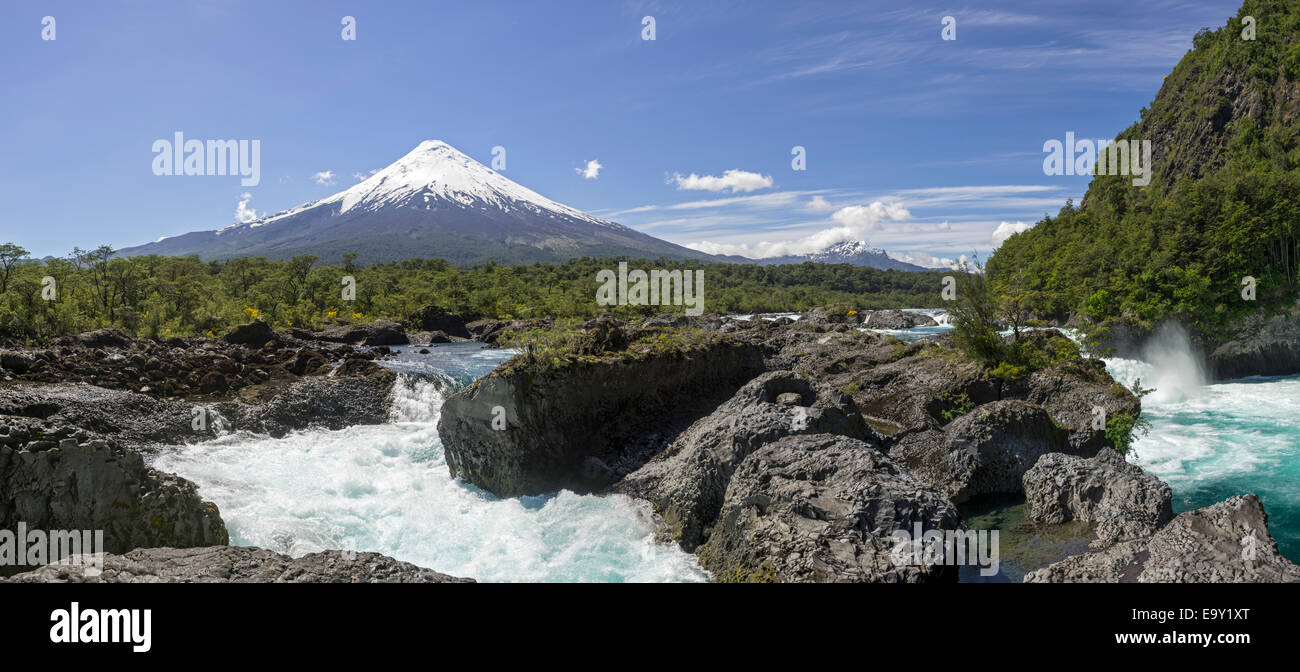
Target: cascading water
x=386, y=488
x=1210, y=441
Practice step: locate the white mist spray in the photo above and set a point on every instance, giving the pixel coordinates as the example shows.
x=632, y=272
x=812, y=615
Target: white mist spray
x=1175, y=369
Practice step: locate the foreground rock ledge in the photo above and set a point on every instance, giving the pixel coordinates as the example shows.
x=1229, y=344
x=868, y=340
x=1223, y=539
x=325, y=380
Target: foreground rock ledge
x=99, y=485
x=822, y=508
x=240, y=564
x=1224, y=543
x=687, y=481
x=1124, y=501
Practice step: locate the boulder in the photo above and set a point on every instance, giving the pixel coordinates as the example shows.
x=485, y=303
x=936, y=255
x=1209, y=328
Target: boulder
x=822, y=508
x=308, y=362
x=688, y=480
x=1227, y=542
x=16, y=361
x=897, y=319
x=422, y=338
x=368, y=369
x=379, y=332
x=1123, y=500
x=986, y=451
x=99, y=485
x=434, y=318
x=255, y=334
x=825, y=316
x=239, y=564
x=1072, y=393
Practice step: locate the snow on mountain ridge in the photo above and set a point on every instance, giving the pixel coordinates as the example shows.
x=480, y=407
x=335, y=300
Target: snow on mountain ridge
x=435, y=171
x=848, y=248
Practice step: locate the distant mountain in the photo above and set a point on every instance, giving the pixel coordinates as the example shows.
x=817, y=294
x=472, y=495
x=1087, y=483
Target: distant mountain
x=435, y=202
x=855, y=252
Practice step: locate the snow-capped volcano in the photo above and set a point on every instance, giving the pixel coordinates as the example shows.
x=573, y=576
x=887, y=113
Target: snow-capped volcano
x=434, y=202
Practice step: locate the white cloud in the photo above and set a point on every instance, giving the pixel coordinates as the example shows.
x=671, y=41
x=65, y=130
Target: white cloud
x=592, y=171
x=930, y=261
x=855, y=222
x=243, y=213
x=1006, y=229
x=324, y=177
x=820, y=204
x=735, y=180
x=360, y=177
x=868, y=217
x=945, y=226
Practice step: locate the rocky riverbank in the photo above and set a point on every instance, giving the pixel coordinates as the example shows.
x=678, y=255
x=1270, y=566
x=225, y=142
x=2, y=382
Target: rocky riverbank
x=843, y=438
x=775, y=450
x=238, y=564
x=78, y=417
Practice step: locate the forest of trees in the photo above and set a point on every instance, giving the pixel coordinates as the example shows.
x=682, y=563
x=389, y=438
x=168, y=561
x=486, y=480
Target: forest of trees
x=1223, y=207
x=161, y=297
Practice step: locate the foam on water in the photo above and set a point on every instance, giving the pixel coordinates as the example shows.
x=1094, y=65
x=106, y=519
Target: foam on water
x=386, y=488
x=1213, y=441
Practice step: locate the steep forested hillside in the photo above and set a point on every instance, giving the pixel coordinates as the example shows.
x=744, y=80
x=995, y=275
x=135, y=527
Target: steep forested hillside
x=1223, y=203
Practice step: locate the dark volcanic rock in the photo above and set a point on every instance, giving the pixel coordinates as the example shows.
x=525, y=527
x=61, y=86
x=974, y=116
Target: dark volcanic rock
x=559, y=422
x=111, y=337
x=1124, y=501
x=130, y=417
x=489, y=331
x=434, y=318
x=240, y=564
x=983, y=452
x=308, y=362
x=897, y=385
x=422, y=338
x=98, y=485
x=254, y=334
x=213, y=368
x=822, y=508
x=365, y=368
x=688, y=480
x=897, y=319
x=333, y=402
x=16, y=361
x=1260, y=345
x=379, y=332
x=1073, y=393
x=1228, y=542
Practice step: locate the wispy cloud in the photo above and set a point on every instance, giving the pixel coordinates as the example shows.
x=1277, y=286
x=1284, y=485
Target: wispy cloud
x=324, y=177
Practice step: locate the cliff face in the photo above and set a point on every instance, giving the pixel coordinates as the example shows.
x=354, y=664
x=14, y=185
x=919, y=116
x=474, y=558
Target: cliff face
x=586, y=425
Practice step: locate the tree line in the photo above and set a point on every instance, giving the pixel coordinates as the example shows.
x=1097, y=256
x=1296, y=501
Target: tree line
x=161, y=297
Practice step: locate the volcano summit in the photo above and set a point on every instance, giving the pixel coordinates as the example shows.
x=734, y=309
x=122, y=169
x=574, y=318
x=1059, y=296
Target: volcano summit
x=435, y=202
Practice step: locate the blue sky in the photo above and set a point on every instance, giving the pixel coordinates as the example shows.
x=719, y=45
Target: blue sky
x=921, y=146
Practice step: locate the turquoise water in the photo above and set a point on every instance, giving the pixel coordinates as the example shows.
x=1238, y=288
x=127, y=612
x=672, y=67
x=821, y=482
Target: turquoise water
x=386, y=488
x=1210, y=442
